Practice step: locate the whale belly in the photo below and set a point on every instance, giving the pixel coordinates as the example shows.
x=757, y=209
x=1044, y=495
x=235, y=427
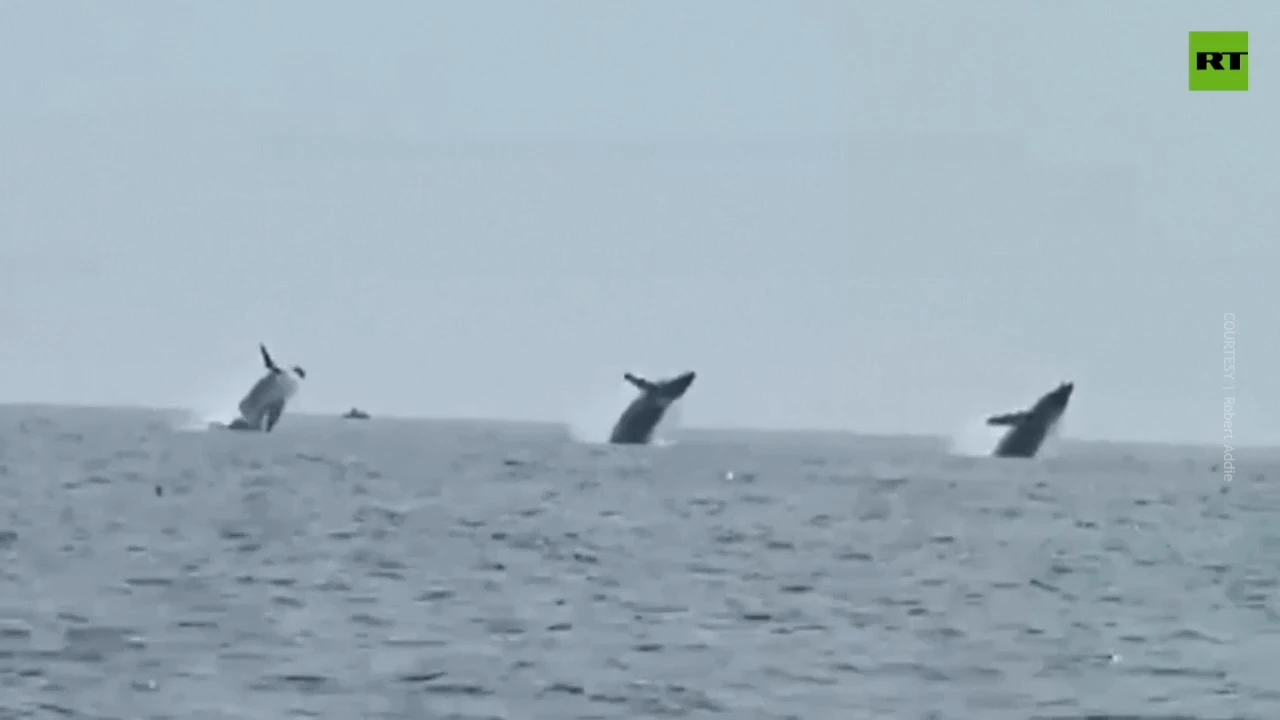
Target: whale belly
x=267, y=398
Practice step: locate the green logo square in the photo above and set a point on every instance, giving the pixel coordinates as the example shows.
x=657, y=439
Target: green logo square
x=1220, y=61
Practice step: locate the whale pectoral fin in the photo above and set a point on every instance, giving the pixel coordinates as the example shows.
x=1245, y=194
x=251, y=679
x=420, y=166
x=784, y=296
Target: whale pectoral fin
x=642, y=384
x=266, y=358
x=1009, y=419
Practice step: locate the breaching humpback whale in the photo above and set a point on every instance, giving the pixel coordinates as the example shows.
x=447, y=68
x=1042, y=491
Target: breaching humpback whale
x=1028, y=428
x=265, y=402
x=638, y=421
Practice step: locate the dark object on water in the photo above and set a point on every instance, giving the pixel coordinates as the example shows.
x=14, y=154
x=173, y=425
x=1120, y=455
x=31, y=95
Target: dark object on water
x=1028, y=428
x=356, y=414
x=638, y=421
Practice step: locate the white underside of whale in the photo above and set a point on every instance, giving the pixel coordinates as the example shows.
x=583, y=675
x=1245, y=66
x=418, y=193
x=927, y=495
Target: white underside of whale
x=268, y=398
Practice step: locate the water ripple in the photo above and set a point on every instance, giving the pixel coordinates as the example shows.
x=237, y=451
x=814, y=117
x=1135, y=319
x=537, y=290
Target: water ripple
x=470, y=571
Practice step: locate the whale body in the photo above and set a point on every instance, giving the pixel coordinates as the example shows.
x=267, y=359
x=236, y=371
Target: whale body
x=264, y=404
x=638, y=421
x=1028, y=428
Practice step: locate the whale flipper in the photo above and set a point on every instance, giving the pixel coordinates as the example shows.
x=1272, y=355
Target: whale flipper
x=266, y=359
x=640, y=383
x=1008, y=419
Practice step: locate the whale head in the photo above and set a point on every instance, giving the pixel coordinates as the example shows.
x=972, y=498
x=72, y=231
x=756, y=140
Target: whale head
x=676, y=387
x=1055, y=401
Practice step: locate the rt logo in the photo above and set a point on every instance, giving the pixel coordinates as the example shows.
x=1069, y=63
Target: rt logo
x=1220, y=61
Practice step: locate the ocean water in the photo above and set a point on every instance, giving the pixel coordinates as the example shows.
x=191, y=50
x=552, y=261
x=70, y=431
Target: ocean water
x=431, y=569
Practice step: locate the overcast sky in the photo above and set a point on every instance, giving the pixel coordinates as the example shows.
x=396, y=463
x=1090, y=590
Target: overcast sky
x=875, y=216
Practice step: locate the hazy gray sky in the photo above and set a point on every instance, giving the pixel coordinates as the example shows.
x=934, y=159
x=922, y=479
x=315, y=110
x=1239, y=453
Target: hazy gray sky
x=886, y=216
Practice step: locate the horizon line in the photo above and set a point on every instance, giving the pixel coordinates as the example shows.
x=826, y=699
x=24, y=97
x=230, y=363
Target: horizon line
x=337, y=415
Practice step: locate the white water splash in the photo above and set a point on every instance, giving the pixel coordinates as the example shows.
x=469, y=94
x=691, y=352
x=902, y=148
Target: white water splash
x=190, y=422
x=591, y=419
x=975, y=438
x=1052, y=446
x=669, y=425
x=214, y=401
